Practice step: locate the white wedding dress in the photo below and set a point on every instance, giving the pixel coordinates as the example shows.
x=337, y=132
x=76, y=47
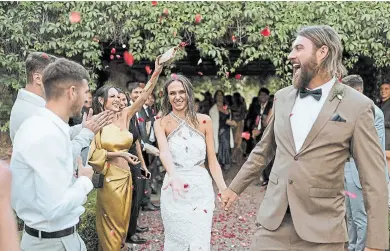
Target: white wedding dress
x=187, y=221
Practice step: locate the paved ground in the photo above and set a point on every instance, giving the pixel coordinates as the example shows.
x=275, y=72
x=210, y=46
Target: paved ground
x=230, y=231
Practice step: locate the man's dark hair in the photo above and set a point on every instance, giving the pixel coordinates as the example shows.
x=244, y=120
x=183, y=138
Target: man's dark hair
x=132, y=85
x=353, y=81
x=61, y=75
x=264, y=90
x=36, y=62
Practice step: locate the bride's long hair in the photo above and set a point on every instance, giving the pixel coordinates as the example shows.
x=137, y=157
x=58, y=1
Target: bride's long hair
x=166, y=106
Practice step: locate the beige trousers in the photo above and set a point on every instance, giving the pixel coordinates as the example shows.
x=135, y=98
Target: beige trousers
x=71, y=242
x=285, y=238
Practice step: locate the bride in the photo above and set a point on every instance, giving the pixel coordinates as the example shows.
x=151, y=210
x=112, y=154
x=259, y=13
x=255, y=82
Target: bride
x=187, y=197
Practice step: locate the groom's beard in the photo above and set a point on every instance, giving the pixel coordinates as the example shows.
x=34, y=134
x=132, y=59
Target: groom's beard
x=305, y=74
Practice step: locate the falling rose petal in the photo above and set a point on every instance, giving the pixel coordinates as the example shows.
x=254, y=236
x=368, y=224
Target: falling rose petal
x=128, y=57
x=146, y=191
x=198, y=18
x=148, y=70
x=275, y=99
x=227, y=74
x=118, y=56
x=266, y=32
x=154, y=3
x=349, y=194
x=142, y=85
x=108, y=165
x=219, y=195
x=45, y=56
x=225, y=107
x=291, y=114
x=200, y=73
x=160, y=94
x=183, y=44
x=113, y=50
x=74, y=17
x=132, y=187
x=246, y=135
x=141, y=119
x=157, y=117
x=204, y=210
x=123, y=46
x=95, y=39
x=238, y=76
x=174, y=76
x=233, y=39
x=199, y=61
x=165, y=12
x=186, y=185
x=204, y=121
x=112, y=232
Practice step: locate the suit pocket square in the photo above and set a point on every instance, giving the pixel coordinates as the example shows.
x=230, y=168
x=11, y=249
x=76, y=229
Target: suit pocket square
x=337, y=118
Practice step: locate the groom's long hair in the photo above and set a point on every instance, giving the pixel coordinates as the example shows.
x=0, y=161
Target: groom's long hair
x=166, y=106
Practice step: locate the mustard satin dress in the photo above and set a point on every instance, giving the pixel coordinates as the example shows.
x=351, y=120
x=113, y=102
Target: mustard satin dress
x=113, y=203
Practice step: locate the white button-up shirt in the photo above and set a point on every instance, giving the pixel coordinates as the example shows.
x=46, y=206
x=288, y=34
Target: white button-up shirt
x=43, y=194
x=305, y=113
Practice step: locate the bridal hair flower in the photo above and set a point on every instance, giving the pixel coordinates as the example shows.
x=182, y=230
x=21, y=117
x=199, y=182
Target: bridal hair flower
x=338, y=92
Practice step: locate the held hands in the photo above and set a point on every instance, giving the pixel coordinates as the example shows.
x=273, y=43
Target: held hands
x=97, y=122
x=178, y=186
x=227, y=198
x=130, y=158
x=230, y=122
x=83, y=171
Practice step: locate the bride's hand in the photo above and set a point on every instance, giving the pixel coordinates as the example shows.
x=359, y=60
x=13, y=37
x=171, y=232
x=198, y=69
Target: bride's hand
x=178, y=186
x=130, y=158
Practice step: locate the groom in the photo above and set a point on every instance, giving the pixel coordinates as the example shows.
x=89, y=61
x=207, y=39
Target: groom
x=316, y=125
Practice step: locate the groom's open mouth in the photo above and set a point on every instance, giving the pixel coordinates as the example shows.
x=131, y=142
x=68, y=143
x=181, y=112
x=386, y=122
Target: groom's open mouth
x=296, y=68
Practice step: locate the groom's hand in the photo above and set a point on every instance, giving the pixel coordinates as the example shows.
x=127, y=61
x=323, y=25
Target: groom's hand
x=227, y=198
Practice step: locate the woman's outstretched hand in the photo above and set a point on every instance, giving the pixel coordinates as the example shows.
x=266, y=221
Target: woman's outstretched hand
x=178, y=186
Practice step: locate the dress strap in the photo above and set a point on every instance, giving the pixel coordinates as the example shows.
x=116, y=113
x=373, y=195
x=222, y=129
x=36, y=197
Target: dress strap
x=177, y=118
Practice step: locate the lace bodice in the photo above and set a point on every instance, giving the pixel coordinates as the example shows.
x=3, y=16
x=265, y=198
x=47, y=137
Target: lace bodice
x=187, y=145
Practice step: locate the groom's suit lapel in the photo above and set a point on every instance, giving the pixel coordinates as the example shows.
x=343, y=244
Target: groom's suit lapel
x=324, y=116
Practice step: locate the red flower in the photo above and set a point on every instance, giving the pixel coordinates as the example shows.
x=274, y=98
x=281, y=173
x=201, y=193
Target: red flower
x=74, y=17
x=186, y=185
x=141, y=119
x=165, y=12
x=112, y=57
x=204, y=210
x=225, y=107
x=238, y=76
x=154, y=3
x=45, y=56
x=233, y=39
x=148, y=70
x=198, y=18
x=113, y=51
x=128, y=57
x=266, y=32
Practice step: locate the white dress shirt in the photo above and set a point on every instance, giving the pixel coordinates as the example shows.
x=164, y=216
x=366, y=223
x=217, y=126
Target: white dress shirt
x=305, y=113
x=28, y=104
x=43, y=194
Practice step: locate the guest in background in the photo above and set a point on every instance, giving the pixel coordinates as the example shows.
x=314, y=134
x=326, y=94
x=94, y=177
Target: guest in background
x=385, y=106
x=238, y=110
x=206, y=103
x=223, y=133
x=197, y=105
x=76, y=120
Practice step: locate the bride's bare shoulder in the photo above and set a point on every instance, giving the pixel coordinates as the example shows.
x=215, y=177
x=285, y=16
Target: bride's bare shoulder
x=202, y=118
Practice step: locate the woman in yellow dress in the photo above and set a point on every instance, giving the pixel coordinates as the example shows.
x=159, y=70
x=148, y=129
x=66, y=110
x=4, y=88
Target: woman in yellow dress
x=109, y=156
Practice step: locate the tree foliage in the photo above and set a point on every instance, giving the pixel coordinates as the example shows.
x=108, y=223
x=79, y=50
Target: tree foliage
x=44, y=26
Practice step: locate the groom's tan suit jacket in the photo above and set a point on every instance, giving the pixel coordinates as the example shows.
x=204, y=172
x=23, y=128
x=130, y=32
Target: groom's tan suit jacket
x=311, y=181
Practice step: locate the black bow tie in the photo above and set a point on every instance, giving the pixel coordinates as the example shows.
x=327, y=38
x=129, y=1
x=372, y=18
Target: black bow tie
x=303, y=93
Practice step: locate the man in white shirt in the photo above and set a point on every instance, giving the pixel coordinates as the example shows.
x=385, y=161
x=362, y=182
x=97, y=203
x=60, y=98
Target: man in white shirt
x=32, y=98
x=316, y=125
x=43, y=194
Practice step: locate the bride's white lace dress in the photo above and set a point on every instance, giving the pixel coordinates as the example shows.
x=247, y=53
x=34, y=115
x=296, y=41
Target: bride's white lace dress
x=187, y=221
